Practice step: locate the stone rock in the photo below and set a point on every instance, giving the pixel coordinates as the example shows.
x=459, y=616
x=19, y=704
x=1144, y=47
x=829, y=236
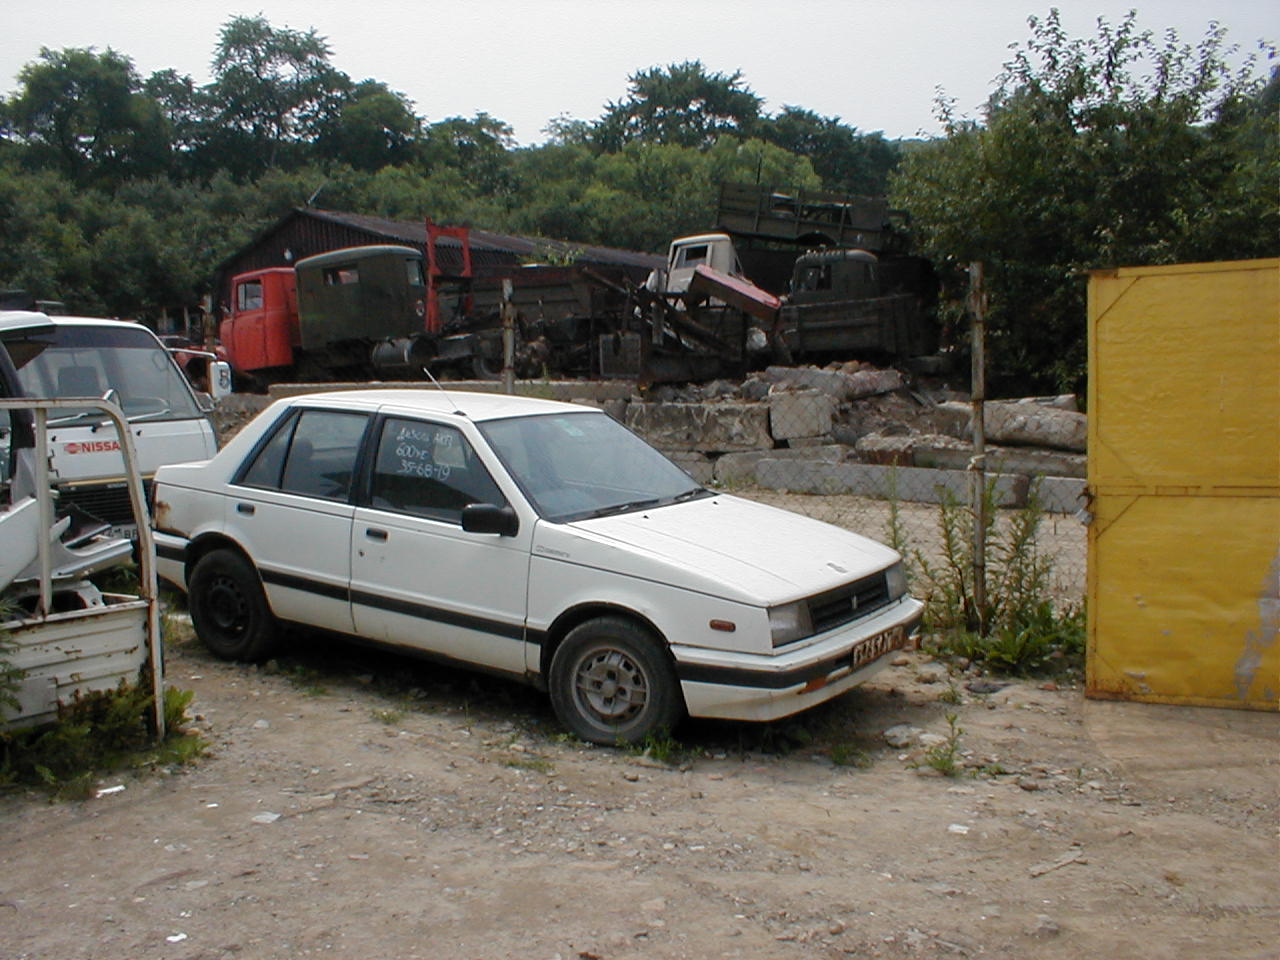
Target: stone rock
x=868, y=383
x=1036, y=425
x=902, y=735
x=804, y=413
x=896, y=451
x=697, y=465
x=738, y=468
x=707, y=427
x=1045, y=927
x=833, y=383
x=931, y=673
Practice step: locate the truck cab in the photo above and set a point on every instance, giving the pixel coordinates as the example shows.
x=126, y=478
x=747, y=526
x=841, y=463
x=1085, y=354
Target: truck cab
x=82, y=357
x=714, y=250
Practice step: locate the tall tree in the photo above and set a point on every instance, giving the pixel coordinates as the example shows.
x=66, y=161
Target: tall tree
x=679, y=105
x=1081, y=163
x=374, y=127
x=846, y=160
x=273, y=89
x=84, y=113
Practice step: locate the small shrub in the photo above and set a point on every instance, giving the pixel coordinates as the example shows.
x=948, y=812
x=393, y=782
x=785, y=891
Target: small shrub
x=97, y=733
x=945, y=757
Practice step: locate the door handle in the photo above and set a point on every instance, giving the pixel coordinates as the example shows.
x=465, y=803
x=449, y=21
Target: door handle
x=375, y=534
x=246, y=508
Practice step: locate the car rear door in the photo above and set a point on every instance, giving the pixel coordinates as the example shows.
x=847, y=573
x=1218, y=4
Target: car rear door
x=290, y=508
x=419, y=579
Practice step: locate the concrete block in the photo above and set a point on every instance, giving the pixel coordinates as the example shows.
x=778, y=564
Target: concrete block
x=1035, y=424
x=805, y=413
x=1033, y=463
x=912, y=484
x=833, y=383
x=739, y=468
x=707, y=427
x=1060, y=494
x=697, y=465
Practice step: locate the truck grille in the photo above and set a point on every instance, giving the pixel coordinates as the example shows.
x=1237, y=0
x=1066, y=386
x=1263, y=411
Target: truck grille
x=108, y=502
x=849, y=602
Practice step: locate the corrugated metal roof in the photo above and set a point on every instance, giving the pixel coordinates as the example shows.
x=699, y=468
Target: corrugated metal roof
x=415, y=232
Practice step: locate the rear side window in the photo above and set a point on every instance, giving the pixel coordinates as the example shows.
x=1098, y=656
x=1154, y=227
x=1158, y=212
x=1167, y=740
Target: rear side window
x=313, y=455
x=430, y=470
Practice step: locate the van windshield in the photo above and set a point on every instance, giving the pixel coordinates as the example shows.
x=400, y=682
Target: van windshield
x=87, y=361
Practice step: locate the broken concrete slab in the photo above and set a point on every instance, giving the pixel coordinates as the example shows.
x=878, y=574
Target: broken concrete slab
x=1060, y=494
x=948, y=454
x=705, y=427
x=803, y=413
x=1028, y=423
x=697, y=465
x=733, y=469
x=913, y=484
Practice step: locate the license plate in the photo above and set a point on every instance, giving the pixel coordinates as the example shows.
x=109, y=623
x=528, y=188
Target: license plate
x=873, y=648
x=129, y=532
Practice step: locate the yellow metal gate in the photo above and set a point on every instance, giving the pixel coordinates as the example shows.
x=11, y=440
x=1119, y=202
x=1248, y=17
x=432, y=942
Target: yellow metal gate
x=1184, y=469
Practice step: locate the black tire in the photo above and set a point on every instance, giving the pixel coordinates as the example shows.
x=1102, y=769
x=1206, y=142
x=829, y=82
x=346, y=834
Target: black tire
x=228, y=608
x=611, y=682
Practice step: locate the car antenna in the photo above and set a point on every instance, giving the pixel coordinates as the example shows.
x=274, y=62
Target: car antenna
x=443, y=391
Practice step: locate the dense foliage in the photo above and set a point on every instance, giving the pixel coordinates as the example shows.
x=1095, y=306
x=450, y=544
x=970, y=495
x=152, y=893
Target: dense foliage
x=120, y=193
x=1081, y=163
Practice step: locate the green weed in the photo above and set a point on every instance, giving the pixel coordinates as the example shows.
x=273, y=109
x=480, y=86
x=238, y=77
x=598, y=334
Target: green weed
x=945, y=757
x=95, y=734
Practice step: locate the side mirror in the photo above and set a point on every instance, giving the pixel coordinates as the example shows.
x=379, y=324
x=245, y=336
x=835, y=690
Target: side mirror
x=488, y=518
x=219, y=379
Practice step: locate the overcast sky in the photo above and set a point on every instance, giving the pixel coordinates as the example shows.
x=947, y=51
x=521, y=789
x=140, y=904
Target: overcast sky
x=873, y=63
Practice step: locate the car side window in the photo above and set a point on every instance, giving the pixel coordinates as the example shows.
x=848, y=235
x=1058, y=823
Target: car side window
x=313, y=454
x=429, y=470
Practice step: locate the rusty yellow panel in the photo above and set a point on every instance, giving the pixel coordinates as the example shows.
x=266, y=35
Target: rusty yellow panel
x=1184, y=376
x=1184, y=470
x=1184, y=600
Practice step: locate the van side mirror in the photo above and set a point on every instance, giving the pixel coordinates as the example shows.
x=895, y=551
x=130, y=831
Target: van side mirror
x=219, y=379
x=488, y=518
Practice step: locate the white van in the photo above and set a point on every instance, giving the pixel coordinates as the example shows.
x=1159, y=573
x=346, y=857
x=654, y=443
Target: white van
x=63, y=357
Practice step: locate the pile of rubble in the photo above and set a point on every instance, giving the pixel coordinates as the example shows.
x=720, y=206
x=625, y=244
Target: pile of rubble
x=854, y=428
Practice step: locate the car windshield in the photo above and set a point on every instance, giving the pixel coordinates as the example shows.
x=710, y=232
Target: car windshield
x=579, y=465
x=87, y=361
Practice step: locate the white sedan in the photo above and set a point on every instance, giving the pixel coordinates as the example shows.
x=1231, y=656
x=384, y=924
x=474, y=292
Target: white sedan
x=539, y=540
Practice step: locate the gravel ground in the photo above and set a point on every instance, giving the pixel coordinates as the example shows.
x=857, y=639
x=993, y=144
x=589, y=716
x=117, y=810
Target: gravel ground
x=358, y=804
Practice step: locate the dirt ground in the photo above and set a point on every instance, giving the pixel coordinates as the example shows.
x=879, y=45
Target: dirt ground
x=359, y=804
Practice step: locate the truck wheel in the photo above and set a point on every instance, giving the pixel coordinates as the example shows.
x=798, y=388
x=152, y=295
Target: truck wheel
x=612, y=683
x=228, y=608
x=485, y=369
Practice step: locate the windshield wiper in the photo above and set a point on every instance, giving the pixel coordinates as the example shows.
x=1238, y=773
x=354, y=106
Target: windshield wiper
x=691, y=494
x=626, y=507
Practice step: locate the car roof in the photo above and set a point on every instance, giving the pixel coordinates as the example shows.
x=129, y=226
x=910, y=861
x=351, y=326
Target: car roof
x=470, y=404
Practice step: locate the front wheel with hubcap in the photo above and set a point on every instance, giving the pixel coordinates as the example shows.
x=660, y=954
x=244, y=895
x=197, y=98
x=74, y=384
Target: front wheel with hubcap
x=611, y=682
x=228, y=608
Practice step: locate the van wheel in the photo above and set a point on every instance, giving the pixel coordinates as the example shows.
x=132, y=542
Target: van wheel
x=611, y=682
x=229, y=609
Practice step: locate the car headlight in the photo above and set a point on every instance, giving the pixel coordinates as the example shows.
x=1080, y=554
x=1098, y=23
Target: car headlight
x=895, y=580
x=789, y=622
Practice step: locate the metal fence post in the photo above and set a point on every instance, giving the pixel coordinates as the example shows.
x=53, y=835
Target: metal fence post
x=978, y=461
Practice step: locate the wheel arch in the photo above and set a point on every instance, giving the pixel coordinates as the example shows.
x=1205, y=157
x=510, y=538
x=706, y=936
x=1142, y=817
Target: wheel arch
x=205, y=544
x=580, y=614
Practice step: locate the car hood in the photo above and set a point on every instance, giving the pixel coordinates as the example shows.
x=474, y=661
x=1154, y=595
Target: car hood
x=723, y=546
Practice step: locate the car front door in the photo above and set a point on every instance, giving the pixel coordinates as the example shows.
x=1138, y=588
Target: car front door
x=419, y=579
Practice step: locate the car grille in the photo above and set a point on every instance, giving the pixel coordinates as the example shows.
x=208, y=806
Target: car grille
x=849, y=602
x=107, y=502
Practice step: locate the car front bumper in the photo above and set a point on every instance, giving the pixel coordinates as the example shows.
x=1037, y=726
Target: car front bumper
x=744, y=686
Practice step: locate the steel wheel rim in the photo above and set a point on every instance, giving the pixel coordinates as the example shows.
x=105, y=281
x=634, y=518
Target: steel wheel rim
x=611, y=686
x=226, y=606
